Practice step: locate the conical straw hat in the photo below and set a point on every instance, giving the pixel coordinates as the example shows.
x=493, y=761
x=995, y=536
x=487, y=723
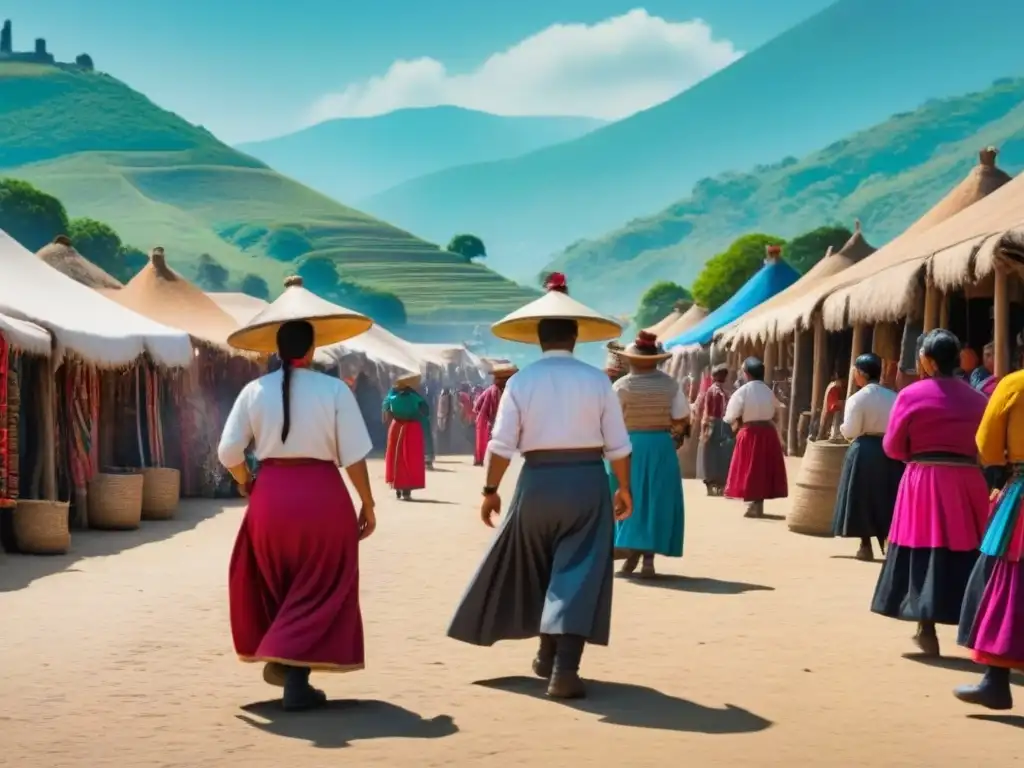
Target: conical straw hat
x=410, y=379
x=556, y=304
x=331, y=323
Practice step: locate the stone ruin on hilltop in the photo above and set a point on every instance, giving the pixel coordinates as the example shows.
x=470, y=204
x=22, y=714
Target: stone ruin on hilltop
x=39, y=56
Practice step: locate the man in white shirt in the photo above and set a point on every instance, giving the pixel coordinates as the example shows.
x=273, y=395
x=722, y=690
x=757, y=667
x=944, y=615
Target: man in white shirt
x=549, y=570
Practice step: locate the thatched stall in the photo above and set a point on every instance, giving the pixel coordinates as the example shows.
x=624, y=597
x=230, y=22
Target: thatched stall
x=182, y=415
x=62, y=256
x=89, y=334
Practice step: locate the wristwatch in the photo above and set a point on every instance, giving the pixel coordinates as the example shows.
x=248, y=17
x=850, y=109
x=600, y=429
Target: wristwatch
x=490, y=490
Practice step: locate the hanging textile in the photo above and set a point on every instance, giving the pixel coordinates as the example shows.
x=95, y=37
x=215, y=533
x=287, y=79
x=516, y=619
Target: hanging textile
x=6, y=455
x=81, y=414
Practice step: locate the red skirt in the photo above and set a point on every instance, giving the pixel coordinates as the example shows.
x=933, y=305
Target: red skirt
x=405, y=463
x=293, y=581
x=758, y=468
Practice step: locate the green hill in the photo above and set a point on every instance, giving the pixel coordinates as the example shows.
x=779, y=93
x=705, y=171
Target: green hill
x=844, y=69
x=110, y=154
x=887, y=176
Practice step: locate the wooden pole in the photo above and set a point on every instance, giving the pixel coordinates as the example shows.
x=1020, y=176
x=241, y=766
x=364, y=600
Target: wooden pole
x=803, y=351
x=1001, y=322
x=820, y=374
x=944, y=299
x=769, y=362
x=856, y=350
x=49, y=433
x=931, y=307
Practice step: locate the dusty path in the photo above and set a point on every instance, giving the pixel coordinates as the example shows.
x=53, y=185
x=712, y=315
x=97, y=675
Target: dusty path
x=757, y=650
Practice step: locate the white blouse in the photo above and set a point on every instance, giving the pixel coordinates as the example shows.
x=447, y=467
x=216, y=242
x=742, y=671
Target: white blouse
x=867, y=412
x=754, y=401
x=325, y=422
x=559, y=403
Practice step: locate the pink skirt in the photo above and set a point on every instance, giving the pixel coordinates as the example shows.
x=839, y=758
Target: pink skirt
x=940, y=506
x=405, y=461
x=758, y=468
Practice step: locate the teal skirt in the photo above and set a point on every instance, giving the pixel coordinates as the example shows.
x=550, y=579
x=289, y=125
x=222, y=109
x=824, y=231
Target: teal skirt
x=656, y=525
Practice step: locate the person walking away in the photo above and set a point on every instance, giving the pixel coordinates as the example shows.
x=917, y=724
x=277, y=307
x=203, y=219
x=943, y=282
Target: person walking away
x=486, y=410
x=405, y=412
x=757, y=471
x=549, y=569
x=992, y=619
x=653, y=404
x=614, y=365
x=293, y=582
x=714, y=451
x=942, y=503
x=870, y=480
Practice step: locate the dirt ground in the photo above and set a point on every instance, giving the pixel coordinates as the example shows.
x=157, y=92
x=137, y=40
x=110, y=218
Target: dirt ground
x=756, y=649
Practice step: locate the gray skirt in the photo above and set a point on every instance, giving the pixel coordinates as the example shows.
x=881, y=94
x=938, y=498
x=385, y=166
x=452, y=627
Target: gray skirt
x=715, y=454
x=549, y=568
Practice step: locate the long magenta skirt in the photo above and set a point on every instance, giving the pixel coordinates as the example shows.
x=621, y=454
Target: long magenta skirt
x=405, y=462
x=483, y=436
x=758, y=468
x=940, y=506
x=293, y=581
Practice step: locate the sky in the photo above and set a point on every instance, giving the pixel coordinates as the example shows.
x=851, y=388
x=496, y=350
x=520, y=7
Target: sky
x=253, y=69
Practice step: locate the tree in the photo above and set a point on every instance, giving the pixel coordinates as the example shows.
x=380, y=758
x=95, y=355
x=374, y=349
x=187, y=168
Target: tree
x=130, y=262
x=319, y=274
x=30, y=216
x=211, y=275
x=659, y=300
x=468, y=247
x=255, y=286
x=97, y=242
x=383, y=307
x=806, y=250
x=725, y=273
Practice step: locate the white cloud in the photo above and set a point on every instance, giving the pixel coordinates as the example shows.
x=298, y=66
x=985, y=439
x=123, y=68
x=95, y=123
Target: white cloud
x=608, y=70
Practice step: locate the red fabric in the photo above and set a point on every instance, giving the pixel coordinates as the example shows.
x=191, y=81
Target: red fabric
x=486, y=408
x=758, y=468
x=833, y=397
x=293, y=582
x=405, y=465
x=715, y=402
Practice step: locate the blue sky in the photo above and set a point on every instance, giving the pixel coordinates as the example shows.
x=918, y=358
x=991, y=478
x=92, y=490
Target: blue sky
x=250, y=70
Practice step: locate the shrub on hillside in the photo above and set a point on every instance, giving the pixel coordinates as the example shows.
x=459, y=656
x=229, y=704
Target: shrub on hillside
x=658, y=301
x=30, y=216
x=806, y=250
x=726, y=273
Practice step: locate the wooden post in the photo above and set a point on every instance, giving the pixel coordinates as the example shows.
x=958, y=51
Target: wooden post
x=1001, y=322
x=49, y=432
x=856, y=350
x=769, y=362
x=803, y=350
x=820, y=374
x=931, y=307
x=944, y=299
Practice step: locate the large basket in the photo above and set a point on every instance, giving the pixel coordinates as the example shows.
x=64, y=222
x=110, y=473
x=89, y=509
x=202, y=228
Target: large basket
x=817, y=482
x=115, y=500
x=41, y=527
x=161, y=491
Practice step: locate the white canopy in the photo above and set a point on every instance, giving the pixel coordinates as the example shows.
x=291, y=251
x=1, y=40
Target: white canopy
x=81, y=320
x=28, y=337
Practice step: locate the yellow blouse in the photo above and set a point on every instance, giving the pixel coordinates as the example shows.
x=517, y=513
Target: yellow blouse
x=1001, y=434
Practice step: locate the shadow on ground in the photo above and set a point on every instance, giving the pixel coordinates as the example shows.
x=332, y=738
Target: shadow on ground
x=342, y=722
x=428, y=501
x=958, y=664
x=18, y=571
x=706, y=586
x=1014, y=721
x=635, y=706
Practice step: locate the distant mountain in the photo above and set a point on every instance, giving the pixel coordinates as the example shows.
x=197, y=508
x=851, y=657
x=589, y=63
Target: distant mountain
x=849, y=67
x=887, y=176
x=352, y=158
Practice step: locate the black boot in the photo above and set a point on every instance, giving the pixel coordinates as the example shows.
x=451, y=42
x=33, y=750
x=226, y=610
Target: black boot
x=565, y=680
x=299, y=695
x=992, y=692
x=865, y=553
x=544, y=661
x=407, y=495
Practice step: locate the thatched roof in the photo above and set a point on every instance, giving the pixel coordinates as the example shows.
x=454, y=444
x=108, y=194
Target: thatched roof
x=666, y=322
x=241, y=306
x=893, y=270
x=62, y=256
x=689, y=319
x=160, y=293
x=759, y=323
x=81, y=320
x=24, y=336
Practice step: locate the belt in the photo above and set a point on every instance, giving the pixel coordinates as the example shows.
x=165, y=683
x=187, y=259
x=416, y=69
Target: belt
x=943, y=459
x=563, y=456
x=761, y=423
x=293, y=462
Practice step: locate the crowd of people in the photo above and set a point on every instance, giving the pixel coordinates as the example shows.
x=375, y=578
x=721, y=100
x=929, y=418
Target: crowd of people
x=600, y=480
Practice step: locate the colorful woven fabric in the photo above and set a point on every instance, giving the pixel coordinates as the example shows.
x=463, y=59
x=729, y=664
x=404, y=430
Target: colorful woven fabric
x=5, y=452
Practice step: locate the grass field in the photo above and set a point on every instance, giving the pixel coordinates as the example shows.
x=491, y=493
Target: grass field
x=110, y=154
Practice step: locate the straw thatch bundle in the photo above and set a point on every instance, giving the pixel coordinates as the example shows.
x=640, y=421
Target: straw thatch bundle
x=693, y=316
x=678, y=310
x=759, y=324
x=62, y=256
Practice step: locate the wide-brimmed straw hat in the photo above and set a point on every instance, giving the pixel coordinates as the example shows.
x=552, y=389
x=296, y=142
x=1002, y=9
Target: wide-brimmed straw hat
x=504, y=370
x=646, y=348
x=331, y=323
x=411, y=380
x=555, y=304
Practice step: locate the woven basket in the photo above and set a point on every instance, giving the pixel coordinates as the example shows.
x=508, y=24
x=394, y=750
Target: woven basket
x=814, y=499
x=115, y=500
x=161, y=490
x=688, y=458
x=41, y=527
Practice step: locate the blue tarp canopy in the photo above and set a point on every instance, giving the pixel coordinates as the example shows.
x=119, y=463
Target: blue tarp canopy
x=770, y=279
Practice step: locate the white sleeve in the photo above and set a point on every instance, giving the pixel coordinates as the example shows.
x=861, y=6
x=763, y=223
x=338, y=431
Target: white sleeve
x=613, y=427
x=680, y=405
x=350, y=431
x=504, y=440
x=734, y=410
x=237, y=434
x=853, y=417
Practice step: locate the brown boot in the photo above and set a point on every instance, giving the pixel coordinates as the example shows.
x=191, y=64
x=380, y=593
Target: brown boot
x=926, y=639
x=566, y=685
x=865, y=552
x=630, y=563
x=753, y=509
x=274, y=674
